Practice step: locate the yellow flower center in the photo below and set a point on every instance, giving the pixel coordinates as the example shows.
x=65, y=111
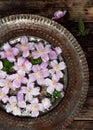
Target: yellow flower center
x=56, y=68
x=53, y=84
x=19, y=77
x=13, y=105
x=7, y=84
x=38, y=74
x=1, y=95
x=23, y=47
x=41, y=52
x=8, y=52
x=34, y=108
x=22, y=67
x=28, y=90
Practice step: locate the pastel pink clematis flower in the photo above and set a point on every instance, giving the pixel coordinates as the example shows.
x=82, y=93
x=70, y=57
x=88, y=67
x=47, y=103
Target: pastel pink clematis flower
x=30, y=91
x=53, y=85
x=41, y=51
x=2, y=73
x=57, y=68
x=25, y=46
x=17, y=79
x=46, y=103
x=9, y=52
x=59, y=14
x=5, y=84
x=3, y=96
x=35, y=107
x=22, y=66
x=39, y=74
x=12, y=106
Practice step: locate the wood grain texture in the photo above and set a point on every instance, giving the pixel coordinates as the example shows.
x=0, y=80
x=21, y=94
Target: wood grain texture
x=76, y=8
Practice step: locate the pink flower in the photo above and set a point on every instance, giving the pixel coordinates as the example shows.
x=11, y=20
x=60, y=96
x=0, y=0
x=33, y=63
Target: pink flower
x=53, y=85
x=5, y=84
x=9, y=52
x=41, y=52
x=57, y=68
x=46, y=103
x=12, y=106
x=25, y=46
x=3, y=96
x=39, y=74
x=22, y=66
x=17, y=80
x=30, y=91
x=59, y=14
x=35, y=107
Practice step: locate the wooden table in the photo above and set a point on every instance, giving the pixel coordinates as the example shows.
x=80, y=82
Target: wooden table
x=84, y=120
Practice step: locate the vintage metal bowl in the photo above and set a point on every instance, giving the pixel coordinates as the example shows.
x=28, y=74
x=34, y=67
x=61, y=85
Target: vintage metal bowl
x=77, y=84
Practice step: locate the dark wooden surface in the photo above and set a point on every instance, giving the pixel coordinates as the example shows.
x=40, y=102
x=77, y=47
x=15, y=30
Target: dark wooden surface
x=76, y=8
x=84, y=120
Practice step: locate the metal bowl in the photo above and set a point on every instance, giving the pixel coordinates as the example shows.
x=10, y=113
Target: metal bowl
x=78, y=76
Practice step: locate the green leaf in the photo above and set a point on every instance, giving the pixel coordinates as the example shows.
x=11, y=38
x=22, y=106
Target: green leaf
x=57, y=94
x=81, y=26
x=36, y=61
x=7, y=65
x=5, y=69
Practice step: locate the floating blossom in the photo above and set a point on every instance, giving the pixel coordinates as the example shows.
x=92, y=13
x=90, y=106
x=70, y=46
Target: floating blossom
x=17, y=80
x=53, y=85
x=35, y=107
x=41, y=52
x=59, y=14
x=12, y=106
x=9, y=52
x=39, y=74
x=25, y=46
x=5, y=84
x=30, y=91
x=22, y=66
x=57, y=68
x=3, y=96
x=46, y=103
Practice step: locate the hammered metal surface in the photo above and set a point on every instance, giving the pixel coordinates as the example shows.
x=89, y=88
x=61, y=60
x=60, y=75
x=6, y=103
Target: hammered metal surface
x=57, y=35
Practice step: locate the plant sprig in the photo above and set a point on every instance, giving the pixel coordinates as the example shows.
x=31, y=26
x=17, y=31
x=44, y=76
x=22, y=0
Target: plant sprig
x=81, y=30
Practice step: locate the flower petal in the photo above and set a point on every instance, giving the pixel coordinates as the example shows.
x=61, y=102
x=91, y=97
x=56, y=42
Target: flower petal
x=39, y=46
x=1, y=65
x=24, y=40
x=45, y=57
x=26, y=53
x=50, y=90
x=6, y=46
x=52, y=55
x=58, y=50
